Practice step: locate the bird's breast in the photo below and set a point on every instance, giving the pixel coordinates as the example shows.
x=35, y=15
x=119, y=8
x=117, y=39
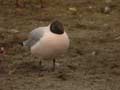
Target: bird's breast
x=51, y=45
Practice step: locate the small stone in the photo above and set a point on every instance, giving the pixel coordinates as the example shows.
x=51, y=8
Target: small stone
x=106, y=10
x=2, y=51
x=14, y=31
x=94, y=53
x=57, y=64
x=90, y=7
x=73, y=9
x=106, y=25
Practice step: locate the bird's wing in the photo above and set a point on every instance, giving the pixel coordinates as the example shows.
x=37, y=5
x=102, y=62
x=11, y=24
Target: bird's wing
x=34, y=37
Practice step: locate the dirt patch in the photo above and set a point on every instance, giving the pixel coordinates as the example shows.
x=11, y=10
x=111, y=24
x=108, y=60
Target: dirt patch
x=92, y=61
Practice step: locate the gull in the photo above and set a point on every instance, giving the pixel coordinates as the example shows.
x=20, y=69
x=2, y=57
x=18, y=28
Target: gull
x=49, y=41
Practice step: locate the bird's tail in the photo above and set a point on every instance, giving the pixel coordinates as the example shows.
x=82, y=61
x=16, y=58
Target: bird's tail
x=24, y=43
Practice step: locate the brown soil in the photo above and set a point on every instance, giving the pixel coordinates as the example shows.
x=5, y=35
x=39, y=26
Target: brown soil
x=92, y=61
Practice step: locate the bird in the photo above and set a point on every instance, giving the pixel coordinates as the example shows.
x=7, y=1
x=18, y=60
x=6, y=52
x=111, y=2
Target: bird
x=48, y=41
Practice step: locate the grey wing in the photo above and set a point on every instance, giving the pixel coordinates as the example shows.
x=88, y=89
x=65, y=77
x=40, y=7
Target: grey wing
x=34, y=37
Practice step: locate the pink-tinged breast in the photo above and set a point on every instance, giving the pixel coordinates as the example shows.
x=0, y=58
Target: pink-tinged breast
x=51, y=45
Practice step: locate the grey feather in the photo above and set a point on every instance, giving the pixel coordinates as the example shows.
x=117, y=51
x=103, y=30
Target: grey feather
x=34, y=37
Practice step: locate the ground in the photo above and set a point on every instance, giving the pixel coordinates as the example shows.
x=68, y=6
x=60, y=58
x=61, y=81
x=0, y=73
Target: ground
x=91, y=63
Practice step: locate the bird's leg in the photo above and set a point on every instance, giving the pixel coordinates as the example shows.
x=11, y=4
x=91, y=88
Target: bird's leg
x=41, y=2
x=54, y=64
x=40, y=63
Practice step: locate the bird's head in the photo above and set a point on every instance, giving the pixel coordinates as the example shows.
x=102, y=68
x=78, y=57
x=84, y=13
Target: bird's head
x=56, y=27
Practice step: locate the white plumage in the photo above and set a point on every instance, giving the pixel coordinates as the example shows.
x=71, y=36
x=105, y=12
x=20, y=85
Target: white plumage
x=50, y=41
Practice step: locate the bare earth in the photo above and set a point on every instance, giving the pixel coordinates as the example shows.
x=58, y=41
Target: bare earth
x=92, y=61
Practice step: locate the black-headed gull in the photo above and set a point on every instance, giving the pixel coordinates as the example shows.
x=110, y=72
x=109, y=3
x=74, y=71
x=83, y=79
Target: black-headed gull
x=50, y=41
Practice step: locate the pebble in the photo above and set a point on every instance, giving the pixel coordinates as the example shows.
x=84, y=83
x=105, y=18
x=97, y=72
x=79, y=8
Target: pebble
x=73, y=9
